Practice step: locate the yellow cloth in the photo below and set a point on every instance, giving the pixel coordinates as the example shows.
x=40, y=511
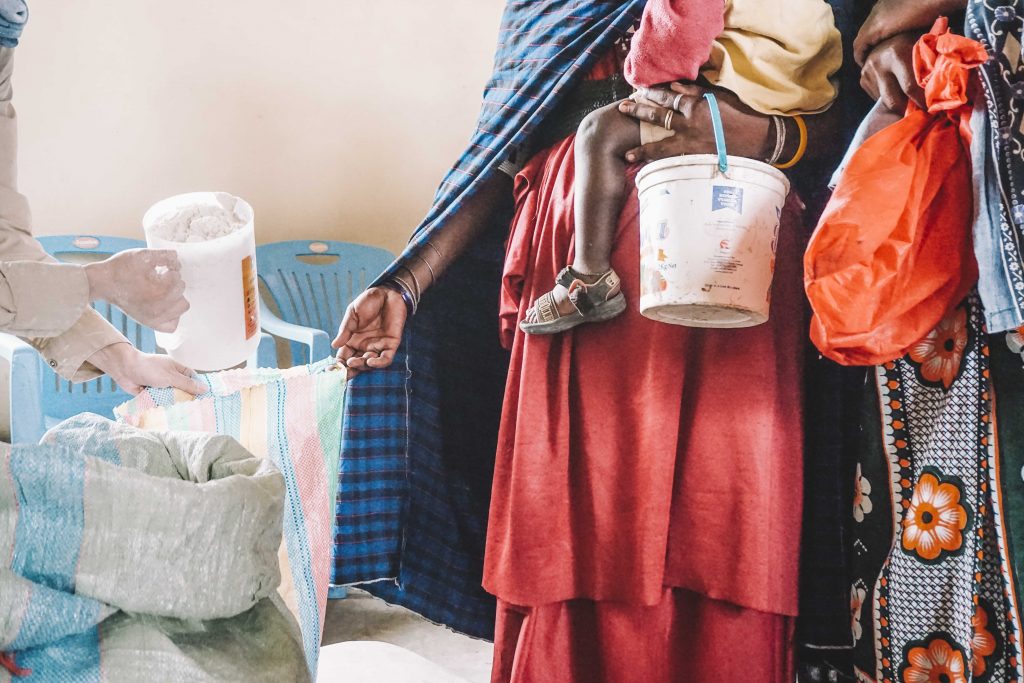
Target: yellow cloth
x=778, y=56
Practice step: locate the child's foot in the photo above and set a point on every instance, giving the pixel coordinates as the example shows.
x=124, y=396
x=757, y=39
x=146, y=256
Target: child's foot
x=576, y=299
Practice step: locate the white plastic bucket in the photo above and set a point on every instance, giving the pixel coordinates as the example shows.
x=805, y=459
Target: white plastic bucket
x=709, y=227
x=221, y=328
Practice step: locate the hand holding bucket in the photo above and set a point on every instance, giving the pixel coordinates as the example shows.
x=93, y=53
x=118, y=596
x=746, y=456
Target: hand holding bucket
x=708, y=232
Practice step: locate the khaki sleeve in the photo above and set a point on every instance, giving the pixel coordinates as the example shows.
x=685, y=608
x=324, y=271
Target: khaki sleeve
x=44, y=302
x=69, y=352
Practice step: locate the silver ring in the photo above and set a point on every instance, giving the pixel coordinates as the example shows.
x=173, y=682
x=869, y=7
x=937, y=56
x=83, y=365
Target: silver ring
x=668, y=119
x=675, y=102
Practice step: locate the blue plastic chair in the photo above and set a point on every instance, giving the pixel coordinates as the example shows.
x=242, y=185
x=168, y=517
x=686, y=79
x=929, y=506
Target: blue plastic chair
x=311, y=283
x=39, y=398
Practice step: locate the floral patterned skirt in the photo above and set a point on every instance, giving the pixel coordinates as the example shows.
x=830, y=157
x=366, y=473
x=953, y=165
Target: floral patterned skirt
x=939, y=509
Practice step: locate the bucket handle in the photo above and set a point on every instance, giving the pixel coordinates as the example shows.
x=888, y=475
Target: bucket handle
x=716, y=125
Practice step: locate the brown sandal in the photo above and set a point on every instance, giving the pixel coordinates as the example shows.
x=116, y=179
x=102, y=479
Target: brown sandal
x=596, y=302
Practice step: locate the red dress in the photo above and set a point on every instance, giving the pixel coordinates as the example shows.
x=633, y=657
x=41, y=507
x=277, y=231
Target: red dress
x=645, y=516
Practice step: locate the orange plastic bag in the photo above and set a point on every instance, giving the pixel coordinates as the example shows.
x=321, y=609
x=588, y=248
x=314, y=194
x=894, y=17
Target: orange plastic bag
x=893, y=252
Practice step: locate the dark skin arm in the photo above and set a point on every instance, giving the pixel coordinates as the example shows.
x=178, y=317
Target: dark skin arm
x=889, y=18
x=371, y=330
x=748, y=133
x=884, y=47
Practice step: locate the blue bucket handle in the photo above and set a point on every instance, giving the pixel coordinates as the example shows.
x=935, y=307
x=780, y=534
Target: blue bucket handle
x=716, y=124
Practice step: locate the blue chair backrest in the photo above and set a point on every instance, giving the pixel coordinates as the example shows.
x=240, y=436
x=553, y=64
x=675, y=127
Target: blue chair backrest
x=62, y=399
x=313, y=282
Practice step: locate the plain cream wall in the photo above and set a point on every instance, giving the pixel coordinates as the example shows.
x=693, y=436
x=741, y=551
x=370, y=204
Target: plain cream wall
x=334, y=118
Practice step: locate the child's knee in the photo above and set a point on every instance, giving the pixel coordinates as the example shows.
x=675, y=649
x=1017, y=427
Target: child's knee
x=607, y=130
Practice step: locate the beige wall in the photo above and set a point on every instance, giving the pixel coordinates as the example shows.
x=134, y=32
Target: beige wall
x=334, y=118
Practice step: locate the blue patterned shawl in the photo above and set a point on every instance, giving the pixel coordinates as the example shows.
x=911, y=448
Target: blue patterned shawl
x=544, y=47
x=419, y=438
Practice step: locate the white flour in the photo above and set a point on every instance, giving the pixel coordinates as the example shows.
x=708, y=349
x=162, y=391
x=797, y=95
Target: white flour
x=197, y=223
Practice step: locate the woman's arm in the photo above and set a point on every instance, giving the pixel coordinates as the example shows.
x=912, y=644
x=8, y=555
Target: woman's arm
x=371, y=331
x=749, y=133
x=889, y=18
x=459, y=232
x=884, y=47
x=888, y=73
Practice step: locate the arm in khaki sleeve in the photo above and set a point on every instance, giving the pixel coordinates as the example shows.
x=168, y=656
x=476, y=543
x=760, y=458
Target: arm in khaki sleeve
x=42, y=301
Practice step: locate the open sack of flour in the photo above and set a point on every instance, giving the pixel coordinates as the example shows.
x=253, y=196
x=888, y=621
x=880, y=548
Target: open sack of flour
x=292, y=418
x=143, y=556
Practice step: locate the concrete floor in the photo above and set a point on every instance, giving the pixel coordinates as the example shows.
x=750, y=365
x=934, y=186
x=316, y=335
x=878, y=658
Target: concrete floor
x=360, y=616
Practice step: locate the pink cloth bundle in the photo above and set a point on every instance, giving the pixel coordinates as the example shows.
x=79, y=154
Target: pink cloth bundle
x=674, y=40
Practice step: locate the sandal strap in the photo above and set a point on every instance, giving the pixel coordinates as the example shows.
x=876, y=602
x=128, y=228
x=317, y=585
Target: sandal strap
x=585, y=297
x=547, y=311
x=566, y=277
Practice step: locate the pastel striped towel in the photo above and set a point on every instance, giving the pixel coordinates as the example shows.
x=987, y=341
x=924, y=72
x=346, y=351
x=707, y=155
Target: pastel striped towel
x=293, y=418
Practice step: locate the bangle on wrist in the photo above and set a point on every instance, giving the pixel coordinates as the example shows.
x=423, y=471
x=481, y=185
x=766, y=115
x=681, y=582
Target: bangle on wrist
x=430, y=269
x=418, y=288
x=402, y=287
x=801, y=147
x=780, y=139
x=436, y=251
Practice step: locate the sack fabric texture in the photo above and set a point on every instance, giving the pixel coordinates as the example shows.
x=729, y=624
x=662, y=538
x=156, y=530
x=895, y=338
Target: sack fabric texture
x=134, y=555
x=293, y=419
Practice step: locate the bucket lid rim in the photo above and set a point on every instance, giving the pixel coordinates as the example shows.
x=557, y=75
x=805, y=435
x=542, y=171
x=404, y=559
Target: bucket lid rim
x=712, y=160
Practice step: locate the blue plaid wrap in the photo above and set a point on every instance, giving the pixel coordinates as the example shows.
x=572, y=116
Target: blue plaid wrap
x=419, y=438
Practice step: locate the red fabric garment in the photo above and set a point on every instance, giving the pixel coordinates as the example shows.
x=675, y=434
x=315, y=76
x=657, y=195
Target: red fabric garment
x=674, y=40
x=685, y=638
x=635, y=455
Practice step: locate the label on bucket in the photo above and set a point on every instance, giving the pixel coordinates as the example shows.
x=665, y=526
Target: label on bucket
x=724, y=197
x=249, y=291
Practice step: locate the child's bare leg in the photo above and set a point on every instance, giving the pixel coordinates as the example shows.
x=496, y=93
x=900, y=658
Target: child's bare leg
x=602, y=141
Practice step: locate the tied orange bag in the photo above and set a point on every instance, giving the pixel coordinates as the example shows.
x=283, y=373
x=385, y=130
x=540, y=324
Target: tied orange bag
x=893, y=252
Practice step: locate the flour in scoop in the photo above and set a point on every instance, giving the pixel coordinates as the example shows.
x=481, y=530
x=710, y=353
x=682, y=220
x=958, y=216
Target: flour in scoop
x=197, y=223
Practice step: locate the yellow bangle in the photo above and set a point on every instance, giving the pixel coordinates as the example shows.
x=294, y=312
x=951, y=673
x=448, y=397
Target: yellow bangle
x=801, y=148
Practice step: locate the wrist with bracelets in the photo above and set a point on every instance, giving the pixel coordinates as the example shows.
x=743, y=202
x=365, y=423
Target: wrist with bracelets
x=780, y=141
x=409, y=287
x=411, y=304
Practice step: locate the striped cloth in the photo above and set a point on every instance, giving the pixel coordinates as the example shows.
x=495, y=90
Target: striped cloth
x=292, y=417
x=428, y=440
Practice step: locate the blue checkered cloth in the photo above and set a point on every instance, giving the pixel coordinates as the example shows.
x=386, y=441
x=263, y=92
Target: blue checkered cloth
x=419, y=438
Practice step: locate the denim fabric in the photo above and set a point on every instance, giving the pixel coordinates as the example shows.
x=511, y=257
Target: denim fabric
x=1002, y=308
x=13, y=15
x=999, y=230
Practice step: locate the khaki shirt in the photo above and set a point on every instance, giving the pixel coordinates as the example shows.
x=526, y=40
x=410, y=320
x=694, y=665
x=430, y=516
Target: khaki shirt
x=43, y=301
